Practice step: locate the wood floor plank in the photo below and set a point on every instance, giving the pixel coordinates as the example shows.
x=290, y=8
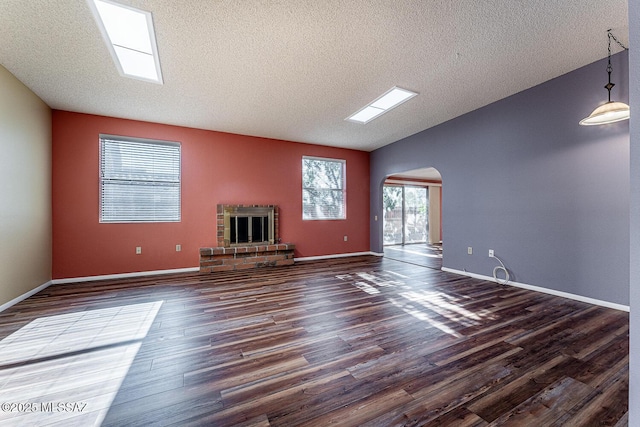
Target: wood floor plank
x=361, y=411
x=547, y=406
x=605, y=405
x=358, y=341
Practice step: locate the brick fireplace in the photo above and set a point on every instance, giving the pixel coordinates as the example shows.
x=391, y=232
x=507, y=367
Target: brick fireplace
x=247, y=237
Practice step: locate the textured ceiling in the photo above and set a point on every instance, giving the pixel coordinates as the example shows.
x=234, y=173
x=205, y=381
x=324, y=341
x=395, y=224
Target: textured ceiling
x=294, y=69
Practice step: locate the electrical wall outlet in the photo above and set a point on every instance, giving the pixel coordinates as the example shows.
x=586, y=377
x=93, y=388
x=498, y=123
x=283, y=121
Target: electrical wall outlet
x=345, y=238
x=138, y=250
x=178, y=248
x=491, y=253
x=469, y=250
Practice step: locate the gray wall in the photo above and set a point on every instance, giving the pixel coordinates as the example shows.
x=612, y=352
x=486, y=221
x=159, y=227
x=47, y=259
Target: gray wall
x=634, y=130
x=25, y=189
x=520, y=176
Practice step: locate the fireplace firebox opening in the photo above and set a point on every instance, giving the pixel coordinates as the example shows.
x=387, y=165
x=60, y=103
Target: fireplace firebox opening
x=247, y=225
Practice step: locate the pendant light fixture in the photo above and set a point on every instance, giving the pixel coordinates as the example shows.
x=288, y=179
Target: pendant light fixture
x=610, y=112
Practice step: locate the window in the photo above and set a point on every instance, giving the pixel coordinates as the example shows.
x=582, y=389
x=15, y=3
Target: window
x=323, y=188
x=139, y=180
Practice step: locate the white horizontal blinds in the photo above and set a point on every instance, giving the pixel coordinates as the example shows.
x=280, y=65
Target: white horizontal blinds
x=139, y=181
x=323, y=188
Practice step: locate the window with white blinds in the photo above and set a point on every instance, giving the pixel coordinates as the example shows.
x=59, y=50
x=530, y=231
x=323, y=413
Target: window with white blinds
x=323, y=188
x=139, y=180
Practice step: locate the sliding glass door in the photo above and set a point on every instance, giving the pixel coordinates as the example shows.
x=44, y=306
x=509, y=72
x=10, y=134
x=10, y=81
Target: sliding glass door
x=405, y=214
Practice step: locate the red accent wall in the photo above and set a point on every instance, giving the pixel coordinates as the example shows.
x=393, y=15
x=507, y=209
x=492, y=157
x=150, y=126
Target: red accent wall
x=217, y=168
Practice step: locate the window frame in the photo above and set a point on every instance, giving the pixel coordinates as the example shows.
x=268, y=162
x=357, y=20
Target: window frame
x=343, y=190
x=101, y=180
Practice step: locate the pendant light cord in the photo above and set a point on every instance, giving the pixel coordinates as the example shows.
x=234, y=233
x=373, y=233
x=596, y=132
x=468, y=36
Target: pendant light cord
x=610, y=36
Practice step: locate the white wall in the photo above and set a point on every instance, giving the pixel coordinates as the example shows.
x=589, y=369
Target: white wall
x=25, y=189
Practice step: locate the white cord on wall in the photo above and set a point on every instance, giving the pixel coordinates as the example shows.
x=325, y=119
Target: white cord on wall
x=497, y=269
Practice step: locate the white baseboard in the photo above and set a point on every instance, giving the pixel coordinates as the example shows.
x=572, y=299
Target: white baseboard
x=124, y=275
x=24, y=296
x=315, y=258
x=186, y=270
x=543, y=290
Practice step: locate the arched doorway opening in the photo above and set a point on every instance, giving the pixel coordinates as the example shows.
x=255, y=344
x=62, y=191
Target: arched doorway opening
x=412, y=217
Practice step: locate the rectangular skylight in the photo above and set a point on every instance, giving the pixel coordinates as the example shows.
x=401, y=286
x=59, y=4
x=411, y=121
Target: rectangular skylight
x=390, y=99
x=366, y=114
x=130, y=38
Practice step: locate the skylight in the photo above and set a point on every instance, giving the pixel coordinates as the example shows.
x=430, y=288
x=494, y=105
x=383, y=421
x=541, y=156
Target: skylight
x=389, y=100
x=130, y=38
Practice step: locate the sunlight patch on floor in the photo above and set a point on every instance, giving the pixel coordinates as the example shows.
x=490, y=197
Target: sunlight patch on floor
x=421, y=315
x=364, y=286
x=435, y=307
x=68, y=368
x=370, y=283
x=441, y=304
x=391, y=248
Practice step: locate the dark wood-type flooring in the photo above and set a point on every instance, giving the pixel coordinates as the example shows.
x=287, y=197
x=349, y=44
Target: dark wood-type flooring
x=362, y=341
x=422, y=254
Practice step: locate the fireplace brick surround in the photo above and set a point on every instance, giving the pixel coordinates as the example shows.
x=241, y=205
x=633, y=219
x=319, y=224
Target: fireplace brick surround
x=245, y=257
x=226, y=257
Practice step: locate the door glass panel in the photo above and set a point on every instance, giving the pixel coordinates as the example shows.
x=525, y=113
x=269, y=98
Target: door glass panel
x=392, y=212
x=415, y=214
